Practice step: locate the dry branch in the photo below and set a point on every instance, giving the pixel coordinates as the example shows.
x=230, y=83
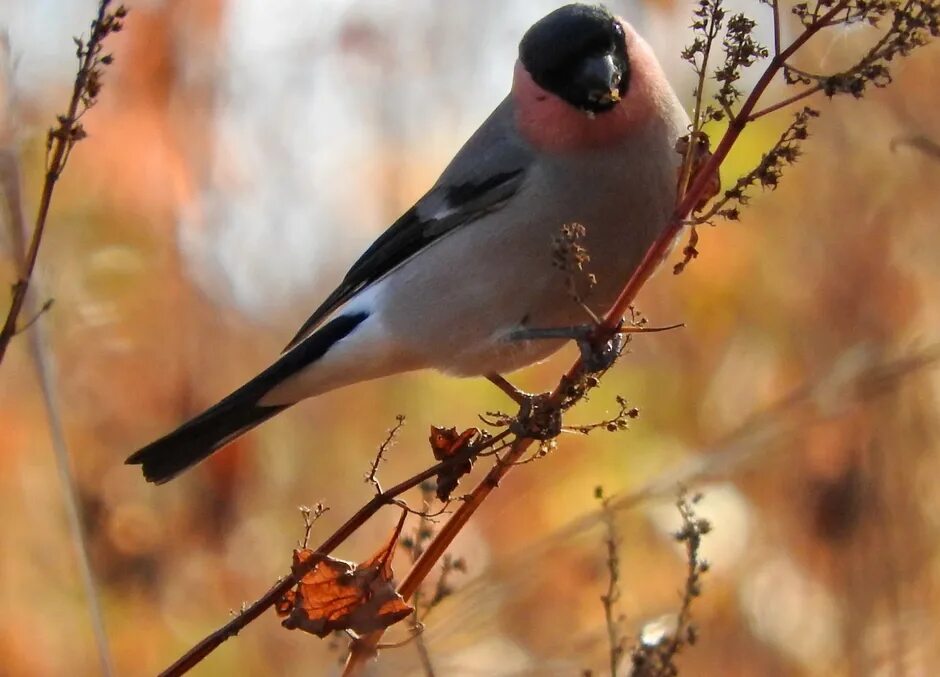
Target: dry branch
x=696, y=180
x=59, y=144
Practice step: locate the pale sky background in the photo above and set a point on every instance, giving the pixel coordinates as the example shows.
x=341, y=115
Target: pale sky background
x=298, y=120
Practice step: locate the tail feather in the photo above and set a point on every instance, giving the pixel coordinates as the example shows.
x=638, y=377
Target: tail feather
x=195, y=440
x=238, y=413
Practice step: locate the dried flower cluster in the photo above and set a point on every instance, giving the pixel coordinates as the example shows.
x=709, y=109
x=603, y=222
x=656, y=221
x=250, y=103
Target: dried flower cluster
x=741, y=51
x=620, y=421
x=767, y=173
x=92, y=61
x=657, y=658
x=911, y=23
x=59, y=144
x=614, y=620
x=570, y=256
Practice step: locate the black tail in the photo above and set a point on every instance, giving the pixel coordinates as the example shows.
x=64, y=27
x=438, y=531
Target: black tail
x=197, y=439
x=239, y=412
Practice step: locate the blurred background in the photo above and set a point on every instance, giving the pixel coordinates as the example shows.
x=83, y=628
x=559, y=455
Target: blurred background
x=244, y=152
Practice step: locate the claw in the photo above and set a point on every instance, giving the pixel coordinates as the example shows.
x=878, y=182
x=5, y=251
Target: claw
x=538, y=418
x=596, y=360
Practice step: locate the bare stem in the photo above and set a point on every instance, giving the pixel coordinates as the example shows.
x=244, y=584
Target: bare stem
x=61, y=142
x=783, y=104
x=372, y=475
x=610, y=599
x=197, y=653
x=387, y=497
x=697, y=122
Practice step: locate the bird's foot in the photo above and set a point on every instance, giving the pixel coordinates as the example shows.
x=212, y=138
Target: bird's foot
x=539, y=417
x=595, y=358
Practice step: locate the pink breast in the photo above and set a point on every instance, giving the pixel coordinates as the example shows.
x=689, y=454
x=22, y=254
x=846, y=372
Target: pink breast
x=551, y=124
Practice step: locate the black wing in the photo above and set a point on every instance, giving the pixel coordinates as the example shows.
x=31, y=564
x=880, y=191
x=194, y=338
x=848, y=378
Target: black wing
x=466, y=191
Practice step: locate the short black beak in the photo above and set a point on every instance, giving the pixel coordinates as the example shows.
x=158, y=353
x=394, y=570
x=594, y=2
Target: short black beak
x=600, y=78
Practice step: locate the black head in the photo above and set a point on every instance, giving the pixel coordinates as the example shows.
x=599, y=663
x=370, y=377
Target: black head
x=579, y=53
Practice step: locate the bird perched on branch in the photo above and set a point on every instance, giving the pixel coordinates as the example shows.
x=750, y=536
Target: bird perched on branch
x=464, y=281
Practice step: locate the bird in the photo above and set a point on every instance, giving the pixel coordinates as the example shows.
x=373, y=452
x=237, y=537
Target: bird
x=464, y=280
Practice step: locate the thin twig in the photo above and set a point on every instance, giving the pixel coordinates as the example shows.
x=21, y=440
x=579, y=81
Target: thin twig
x=198, y=652
x=11, y=182
x=783, y=104
x=60, y=143
x=612, y=596
x=372, y=476
x=424, y=655
x=711, y=33
x=417, y=632
x=649, y=330
x=387, y=497
x=43, y=309
x=310, y=516
x=415, y=546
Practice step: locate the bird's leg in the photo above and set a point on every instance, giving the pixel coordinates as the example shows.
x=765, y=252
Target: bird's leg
x=516, y=395
x=595, y=358
x=538, y=418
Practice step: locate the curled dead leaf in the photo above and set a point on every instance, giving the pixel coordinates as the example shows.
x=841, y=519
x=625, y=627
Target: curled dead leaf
x=447, y=443
x=341, y=595
x=284, y=605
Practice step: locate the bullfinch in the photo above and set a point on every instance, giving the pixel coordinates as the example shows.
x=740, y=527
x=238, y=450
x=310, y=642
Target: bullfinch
x=587, y=135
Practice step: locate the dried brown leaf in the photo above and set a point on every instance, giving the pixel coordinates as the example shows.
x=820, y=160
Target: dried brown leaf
x=341, y=595
x=447, y=443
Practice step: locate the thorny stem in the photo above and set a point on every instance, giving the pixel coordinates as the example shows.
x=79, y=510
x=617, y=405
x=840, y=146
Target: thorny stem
x=63, y=140
x=364, y=649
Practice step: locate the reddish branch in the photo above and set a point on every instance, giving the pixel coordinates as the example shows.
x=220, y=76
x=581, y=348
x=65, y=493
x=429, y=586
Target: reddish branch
x=271, y=597
x=364, y=648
